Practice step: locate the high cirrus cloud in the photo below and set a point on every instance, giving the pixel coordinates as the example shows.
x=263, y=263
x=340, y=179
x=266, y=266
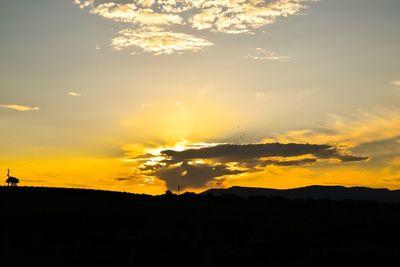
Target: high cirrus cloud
x=157, y=17
x=195, y=167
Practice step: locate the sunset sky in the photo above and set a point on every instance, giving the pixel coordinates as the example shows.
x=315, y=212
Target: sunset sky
x=145, y=95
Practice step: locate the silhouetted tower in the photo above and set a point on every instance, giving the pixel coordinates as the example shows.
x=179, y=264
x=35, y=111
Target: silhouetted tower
x=179, y=187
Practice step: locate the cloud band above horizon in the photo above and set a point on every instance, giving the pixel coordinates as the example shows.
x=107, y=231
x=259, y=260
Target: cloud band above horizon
x=195, y=167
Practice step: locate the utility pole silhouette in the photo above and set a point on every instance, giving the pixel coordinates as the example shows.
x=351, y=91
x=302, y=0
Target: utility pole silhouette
x=178, y=189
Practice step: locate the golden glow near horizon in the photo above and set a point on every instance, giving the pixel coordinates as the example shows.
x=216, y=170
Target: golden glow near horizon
x=144, y=95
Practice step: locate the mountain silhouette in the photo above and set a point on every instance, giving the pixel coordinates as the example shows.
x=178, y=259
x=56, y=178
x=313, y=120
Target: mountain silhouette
x=337, y=193
x=237, y=226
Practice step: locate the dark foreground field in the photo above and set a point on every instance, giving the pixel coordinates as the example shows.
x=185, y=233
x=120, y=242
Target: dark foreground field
x=69, y=227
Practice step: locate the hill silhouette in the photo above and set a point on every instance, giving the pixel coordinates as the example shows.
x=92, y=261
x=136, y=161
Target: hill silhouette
x=338, y=193
x=76, y=227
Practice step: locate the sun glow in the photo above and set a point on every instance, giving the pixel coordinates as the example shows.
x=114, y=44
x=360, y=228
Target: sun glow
x=101, y=110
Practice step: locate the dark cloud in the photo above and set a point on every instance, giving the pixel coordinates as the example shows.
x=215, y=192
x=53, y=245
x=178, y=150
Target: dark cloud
x=181, y=167
x=351, y=158
x=286, y=163
x=192, y=175
x=122, y=179
x=245, y=152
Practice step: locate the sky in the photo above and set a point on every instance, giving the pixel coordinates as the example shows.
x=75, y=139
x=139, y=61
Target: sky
x=147, y=95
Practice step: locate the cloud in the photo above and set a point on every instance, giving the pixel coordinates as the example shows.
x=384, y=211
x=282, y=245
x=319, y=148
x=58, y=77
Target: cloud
x=131, y=13
x=144, y=105
x=248, y=152
x=121, y=179
x=262, y=54
x=192, y=175
x=396, y=83
x=84, y=3
x=195, y=167
x=235, y=16
x=395, y=161
x=73, y=94
x=228, y=16
x=159, y=42
x=362, y=127
x=19, y=107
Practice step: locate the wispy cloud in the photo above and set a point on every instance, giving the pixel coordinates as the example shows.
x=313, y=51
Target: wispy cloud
x=159, y=42
x=229, y=17
x=396, y=83
x=74, y=94
x=19, y=107
x=262, y=54
x=362, y=127
x=144, y=105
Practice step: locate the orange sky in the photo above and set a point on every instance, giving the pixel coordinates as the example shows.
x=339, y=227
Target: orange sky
x=94, y=94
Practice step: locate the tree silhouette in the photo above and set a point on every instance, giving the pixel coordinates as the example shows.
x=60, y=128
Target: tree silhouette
x=11, y=181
